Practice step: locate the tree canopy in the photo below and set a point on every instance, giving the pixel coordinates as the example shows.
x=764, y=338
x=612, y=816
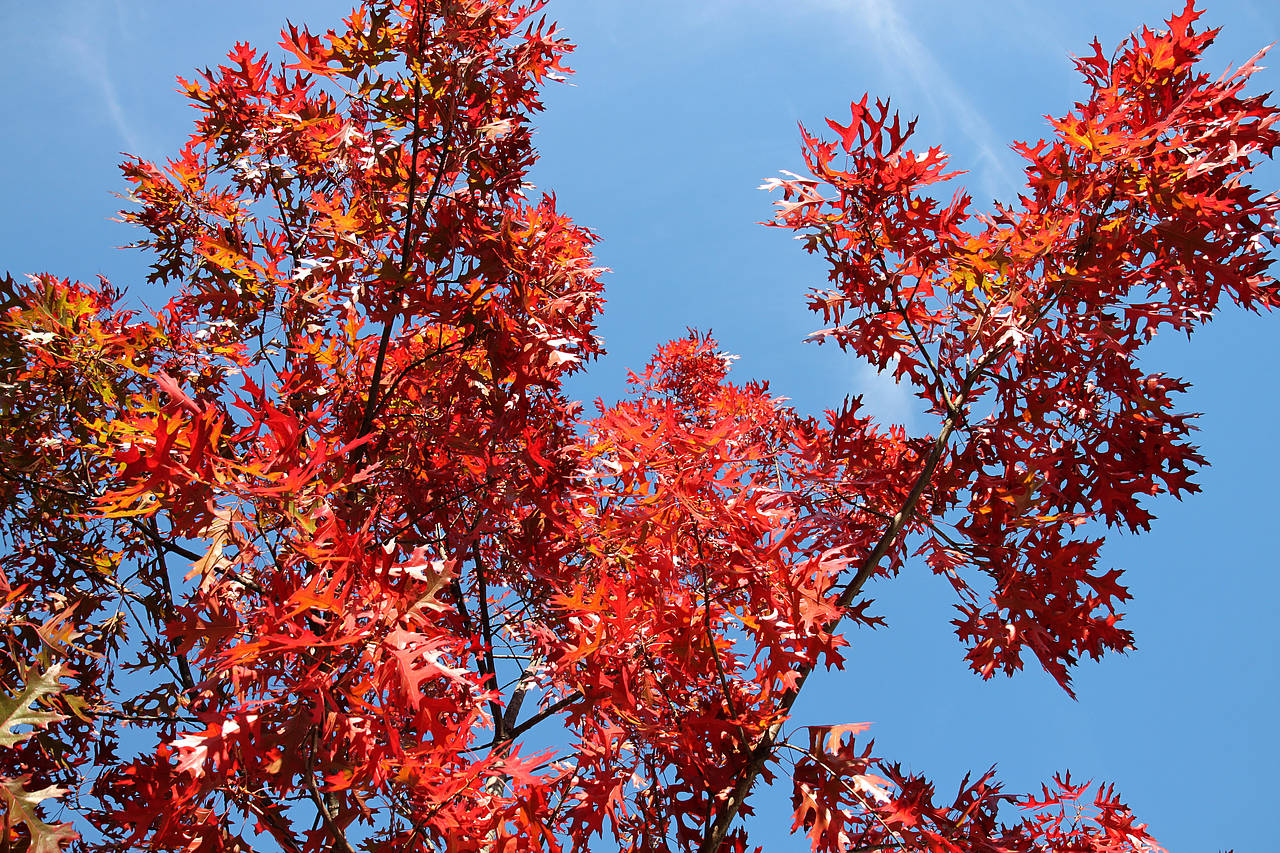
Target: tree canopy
x=309, y=557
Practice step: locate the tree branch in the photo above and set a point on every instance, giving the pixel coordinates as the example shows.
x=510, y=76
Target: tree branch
x=486, y=634
x=268, y=814
x=157, y=541
x=406, y=240
x=322, y=807
x=184, y=666
x=711, y=635
x=764, y=748
x=515, y=731
x=503, y=745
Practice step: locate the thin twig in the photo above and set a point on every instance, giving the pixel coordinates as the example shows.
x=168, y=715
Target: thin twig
x=924, y=352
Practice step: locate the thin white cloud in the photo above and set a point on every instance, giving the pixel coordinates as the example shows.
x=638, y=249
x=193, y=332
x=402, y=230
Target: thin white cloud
x=891, y=402
x=95, y=71
x=1042, y=24
x=86, y=39
x=900, y=51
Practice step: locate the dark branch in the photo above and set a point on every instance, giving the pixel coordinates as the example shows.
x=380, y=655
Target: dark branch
x=486, y=635
x=327, y=817
x=764, y=748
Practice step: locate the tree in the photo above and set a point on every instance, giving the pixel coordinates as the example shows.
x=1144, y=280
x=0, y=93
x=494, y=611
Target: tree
x=303, y=560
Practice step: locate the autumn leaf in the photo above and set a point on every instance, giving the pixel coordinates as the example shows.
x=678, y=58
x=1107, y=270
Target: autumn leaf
x=22, y=808
x=19, y=710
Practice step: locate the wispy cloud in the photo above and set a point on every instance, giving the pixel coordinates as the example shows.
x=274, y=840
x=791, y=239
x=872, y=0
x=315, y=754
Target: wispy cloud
x=891, y=402
x=87, y=43
x=96, y=72
x=901, y=53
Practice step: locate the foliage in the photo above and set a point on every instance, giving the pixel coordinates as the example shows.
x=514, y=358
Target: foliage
x=326, y=538
x=21, y=806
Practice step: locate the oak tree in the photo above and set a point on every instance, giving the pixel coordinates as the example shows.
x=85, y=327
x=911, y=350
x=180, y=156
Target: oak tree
x=302, y=559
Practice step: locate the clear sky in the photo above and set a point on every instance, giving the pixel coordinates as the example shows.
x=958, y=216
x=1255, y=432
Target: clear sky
x=676, y=114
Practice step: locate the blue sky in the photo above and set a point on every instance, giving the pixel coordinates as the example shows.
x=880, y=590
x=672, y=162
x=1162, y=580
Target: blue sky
x=676, y=114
